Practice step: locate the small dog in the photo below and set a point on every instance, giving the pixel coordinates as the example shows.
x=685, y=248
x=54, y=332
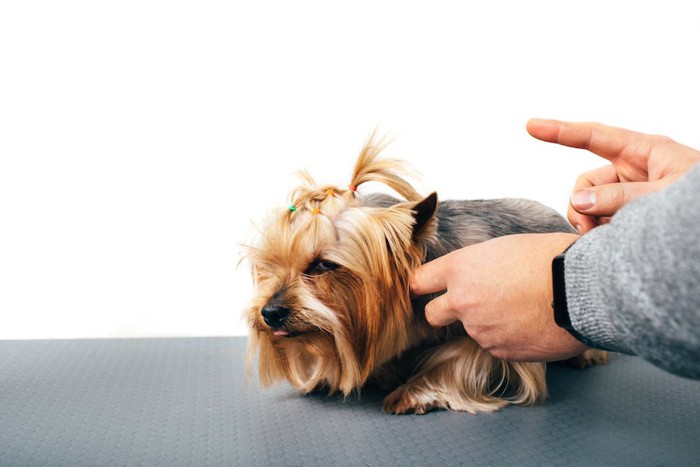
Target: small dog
x=333, y=311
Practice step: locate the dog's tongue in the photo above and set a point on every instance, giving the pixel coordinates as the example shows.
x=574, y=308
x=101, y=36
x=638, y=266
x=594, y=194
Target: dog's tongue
x=281, y=332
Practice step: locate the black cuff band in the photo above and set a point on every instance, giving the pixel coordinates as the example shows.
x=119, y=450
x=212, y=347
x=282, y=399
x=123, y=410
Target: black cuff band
x=559, y=304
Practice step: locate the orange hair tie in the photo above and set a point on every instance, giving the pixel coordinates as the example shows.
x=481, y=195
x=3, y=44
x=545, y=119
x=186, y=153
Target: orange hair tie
x=316, y=211
x=330, y=192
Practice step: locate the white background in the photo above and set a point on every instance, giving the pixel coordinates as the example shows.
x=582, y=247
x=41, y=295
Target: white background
x=138, y=139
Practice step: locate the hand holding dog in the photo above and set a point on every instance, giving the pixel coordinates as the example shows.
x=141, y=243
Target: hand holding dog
x=641, y=164
x=501, y=291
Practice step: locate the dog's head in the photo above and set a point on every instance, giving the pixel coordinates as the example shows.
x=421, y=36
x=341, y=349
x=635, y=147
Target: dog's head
x=331, y=274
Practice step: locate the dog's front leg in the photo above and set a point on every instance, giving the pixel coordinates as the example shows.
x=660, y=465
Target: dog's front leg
x=459, y=375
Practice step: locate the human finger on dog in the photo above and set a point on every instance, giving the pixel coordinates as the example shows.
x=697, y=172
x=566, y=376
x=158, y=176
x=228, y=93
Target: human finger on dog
x=501, y=292
x=428, y=279
x=439, y=313
x=431, y=278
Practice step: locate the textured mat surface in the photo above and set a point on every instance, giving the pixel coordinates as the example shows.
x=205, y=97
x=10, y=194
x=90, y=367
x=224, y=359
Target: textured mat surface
x=187, y=402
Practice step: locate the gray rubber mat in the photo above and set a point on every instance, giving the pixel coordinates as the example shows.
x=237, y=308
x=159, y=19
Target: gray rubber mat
x=187, y=402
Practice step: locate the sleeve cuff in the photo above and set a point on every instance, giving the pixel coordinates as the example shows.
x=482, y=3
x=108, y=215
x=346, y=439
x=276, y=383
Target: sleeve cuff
x=588, y=308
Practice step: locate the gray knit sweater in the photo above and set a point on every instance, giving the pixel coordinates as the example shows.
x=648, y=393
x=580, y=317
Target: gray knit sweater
x=633, y=286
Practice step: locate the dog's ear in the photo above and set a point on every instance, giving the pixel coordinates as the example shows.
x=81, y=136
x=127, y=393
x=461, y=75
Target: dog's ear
x=424, y=212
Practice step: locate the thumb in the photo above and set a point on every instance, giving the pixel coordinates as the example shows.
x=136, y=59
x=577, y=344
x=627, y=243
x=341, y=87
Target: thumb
x=438, y=312
x=606, y=200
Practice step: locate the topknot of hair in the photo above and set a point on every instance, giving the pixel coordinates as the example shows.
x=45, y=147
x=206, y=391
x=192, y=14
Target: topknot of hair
x=329, y=199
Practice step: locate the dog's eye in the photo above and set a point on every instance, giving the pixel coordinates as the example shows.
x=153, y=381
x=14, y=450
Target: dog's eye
x=320, y=266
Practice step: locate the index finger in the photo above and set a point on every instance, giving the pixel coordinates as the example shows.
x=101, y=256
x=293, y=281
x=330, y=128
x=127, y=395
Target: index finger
x=429, y=278
x=605, y=141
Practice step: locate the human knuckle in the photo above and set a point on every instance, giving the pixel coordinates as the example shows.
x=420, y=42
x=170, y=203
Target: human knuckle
x=450, y=265
x=662, y=140
x=499, y=353
x=616, y=197
x=457, y=302
x=582, y=180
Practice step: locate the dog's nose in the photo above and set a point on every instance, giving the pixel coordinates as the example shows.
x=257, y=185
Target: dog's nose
x=274, y=315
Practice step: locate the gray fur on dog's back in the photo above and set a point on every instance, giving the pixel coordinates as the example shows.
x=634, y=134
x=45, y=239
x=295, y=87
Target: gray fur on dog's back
x=465, y=222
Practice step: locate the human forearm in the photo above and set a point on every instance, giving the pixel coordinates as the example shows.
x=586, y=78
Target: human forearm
x=633, y=286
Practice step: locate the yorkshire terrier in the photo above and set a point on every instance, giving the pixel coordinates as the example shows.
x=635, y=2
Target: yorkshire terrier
x=333, y=311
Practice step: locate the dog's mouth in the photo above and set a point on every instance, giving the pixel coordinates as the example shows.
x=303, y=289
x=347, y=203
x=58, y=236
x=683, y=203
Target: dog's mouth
x=291, y=331
x=284, y=333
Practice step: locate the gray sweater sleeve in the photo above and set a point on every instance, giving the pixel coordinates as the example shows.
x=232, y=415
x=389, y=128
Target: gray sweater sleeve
x=633, y=286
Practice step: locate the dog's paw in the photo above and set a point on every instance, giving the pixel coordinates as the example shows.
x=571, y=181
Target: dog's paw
x=402, y=401
x=587, y=358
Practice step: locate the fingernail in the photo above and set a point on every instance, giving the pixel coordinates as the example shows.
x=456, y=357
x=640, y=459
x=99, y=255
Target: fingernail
x=583, y=199
x=579, y=229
